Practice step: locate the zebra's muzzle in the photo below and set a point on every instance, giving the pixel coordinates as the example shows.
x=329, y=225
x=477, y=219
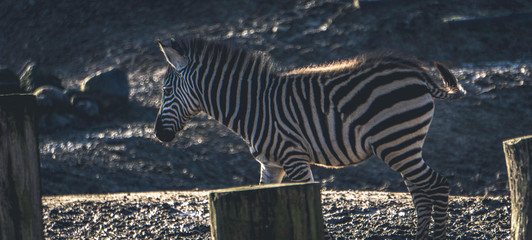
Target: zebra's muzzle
x=163, y=134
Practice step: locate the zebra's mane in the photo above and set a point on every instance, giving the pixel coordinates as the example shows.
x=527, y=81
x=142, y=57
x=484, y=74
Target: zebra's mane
x=337, y=66
x=194, y=47
x=356, y=63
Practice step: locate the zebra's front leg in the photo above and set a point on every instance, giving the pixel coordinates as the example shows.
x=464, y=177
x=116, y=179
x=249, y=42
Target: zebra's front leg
x=298, y=169
x=270, y=174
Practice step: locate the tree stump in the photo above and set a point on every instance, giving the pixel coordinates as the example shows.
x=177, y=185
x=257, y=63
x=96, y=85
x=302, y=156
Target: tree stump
x=273, y=211
x=518, y=152
x=20, y=183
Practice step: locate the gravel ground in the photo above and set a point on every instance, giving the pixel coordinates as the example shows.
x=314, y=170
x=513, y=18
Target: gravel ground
x=119, y=154
x=185, y=215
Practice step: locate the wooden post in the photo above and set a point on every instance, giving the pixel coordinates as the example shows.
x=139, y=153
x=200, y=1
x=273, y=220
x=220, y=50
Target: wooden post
x=274, y=211
x=518, y=152
x=20, y=183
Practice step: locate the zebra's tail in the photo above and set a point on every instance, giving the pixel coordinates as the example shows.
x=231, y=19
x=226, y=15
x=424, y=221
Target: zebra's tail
x=451, y=89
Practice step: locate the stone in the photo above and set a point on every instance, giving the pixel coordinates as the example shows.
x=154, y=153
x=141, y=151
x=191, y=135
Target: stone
x=51, y=99
x=51, y=122
x=86, y=107
x=9, y=82
x=110, y=89
x=71, y=92
x=34, y=77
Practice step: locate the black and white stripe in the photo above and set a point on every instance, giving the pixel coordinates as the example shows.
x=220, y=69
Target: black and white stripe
x=336, y=115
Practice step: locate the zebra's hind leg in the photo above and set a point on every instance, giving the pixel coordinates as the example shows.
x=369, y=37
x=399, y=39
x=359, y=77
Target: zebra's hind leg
x=439, y=193
x=429, y=190
x=423, y=206
x=434, y=203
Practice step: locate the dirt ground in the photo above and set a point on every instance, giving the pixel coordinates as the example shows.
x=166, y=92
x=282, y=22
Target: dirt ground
x=74, y=39
x=185, y=215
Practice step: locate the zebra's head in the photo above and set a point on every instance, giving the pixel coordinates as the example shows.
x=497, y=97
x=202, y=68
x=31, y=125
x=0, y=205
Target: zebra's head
x=177, y=105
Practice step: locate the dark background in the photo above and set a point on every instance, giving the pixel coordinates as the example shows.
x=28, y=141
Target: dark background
x=74, y=39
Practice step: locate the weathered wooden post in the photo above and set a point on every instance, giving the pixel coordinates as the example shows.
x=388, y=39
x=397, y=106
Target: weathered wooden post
x=518, y=152
x=20, y=183
x=275, y=211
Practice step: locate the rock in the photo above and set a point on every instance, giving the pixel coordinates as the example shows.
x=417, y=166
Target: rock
x=53, y=121
x=34, y=77
x=71, y=92
x=85, y=107
x=110, y=88
x=51, y=99
x=9, y=82
x=83, y=104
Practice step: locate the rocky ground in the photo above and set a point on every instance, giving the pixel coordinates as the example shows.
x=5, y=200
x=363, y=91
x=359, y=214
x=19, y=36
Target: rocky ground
x=74, y=39
x=185, y=215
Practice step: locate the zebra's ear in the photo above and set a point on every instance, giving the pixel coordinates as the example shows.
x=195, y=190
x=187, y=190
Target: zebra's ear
x=173, y=57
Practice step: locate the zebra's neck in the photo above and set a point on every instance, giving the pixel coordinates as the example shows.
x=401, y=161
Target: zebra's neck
x=234, y=86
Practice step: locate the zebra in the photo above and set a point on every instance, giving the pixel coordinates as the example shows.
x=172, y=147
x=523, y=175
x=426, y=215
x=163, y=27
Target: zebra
x=336, y=114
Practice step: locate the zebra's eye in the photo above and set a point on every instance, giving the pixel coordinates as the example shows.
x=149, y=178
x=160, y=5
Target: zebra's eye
x=167, y=91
